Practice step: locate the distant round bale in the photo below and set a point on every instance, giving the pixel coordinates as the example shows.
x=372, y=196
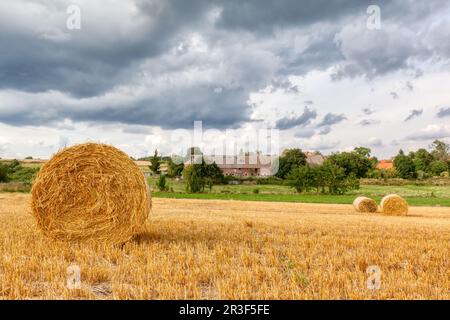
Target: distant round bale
x=91, y=192
x=364, y=204
x=394, y=205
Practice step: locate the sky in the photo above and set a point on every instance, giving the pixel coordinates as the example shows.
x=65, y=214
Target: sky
x=320, y=75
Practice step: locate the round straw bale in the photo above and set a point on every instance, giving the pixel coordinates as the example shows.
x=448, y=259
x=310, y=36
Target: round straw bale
x=394, y=205
x=364, y=204
x=91, y=192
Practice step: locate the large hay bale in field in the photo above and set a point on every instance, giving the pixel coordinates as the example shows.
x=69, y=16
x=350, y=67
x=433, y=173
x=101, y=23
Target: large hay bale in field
x=91, y=192
x=364, y=204
x=394, y=205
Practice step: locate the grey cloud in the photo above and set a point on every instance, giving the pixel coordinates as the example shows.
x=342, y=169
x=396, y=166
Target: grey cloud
x=176, y=108
x=324, y=130
x=409, y=86
x=443, y=112
x=368, y=111
x=289, y=122
x=394, y=95
x=135, y=129
x=249, y=46
x=404, y=38
x=375, y=142
x=414, y=114
x=368, y=122
x=255, y=16
x=305, y=133
x=284, y=85
x=331, y=119
x=320, y=54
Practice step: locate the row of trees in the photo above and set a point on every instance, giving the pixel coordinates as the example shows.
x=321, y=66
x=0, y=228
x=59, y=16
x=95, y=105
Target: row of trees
x=339, y=173
x=422, y=163
x=326, y=178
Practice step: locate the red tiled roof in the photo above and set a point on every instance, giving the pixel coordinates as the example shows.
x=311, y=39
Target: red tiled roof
x=385, y=165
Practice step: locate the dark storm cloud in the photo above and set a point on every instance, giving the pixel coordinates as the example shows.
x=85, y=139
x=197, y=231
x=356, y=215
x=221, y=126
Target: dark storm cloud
x=89, y=61
x=414, y=114
x=320, y=54
x=304, y=119
x=174, y=109
x=405, y=27
x=141, y=44
x=443, y=112
x=263, y=16
x=331, y=119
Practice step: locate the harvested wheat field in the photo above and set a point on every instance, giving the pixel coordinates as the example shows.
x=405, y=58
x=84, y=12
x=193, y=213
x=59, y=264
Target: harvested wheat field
x=234, y=250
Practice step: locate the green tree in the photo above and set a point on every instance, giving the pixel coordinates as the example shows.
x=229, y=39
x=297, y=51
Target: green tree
x=404, y=166
x=336, y=180
x=437, y=167
x=291, y=159
x=355, y=162
x=440, y=150
x=161, y=183
x=3, y=173
x=422, y=160
x=155, y=163
x=194, y=183
x=176, y=166
x=302, y=178
x=363, y=151
x=213, y=172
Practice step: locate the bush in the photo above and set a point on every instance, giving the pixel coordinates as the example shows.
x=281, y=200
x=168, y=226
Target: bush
x=437, y=167
x=256, y=191
x=270, y=180
x=3, y=173
x=23, y=174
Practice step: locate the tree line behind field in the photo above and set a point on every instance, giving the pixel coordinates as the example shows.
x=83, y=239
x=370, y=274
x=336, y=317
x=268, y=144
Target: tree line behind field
x=423, y=164
x=339, y=173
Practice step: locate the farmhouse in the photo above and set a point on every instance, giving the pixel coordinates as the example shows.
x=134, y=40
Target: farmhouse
x=253, y=164
x=314, y=158
x=238, y=166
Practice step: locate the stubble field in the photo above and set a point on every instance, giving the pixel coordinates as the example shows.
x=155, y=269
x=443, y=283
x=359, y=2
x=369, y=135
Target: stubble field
x=211, y=249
